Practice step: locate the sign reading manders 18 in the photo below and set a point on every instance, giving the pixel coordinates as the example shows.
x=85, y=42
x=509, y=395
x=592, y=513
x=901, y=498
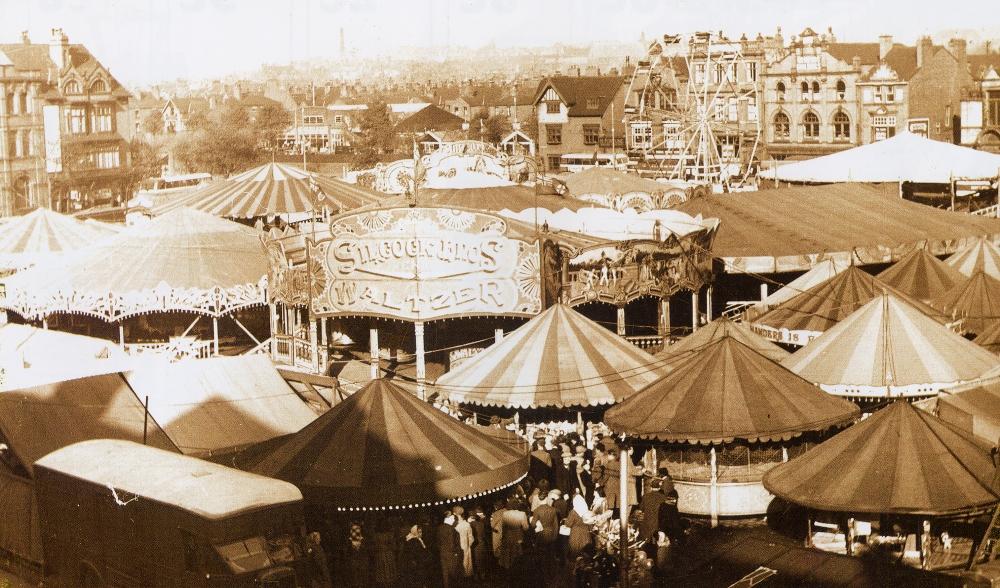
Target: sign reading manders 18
x=427, y=263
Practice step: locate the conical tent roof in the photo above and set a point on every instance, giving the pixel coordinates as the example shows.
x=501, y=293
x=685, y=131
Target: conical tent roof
x=273, y=188
x=558, y=358
x=184, y=260
x=821, y=272
x=806, y=316
x=713, y=331
x=921, y=275
x=889, y=348
x=989, y=338
x=728, y=391
x=385, y=448
x=976, y=300
x=980, y=255
x=42, y=234
x=899, y=460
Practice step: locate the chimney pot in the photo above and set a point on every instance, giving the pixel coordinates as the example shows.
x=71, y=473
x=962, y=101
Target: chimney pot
x=884, y=46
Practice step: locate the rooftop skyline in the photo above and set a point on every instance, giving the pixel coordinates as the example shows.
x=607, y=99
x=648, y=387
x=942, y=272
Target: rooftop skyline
x=151, y=41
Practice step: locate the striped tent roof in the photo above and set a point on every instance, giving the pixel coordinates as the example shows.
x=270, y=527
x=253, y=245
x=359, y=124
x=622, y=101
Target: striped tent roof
x=185, y=260
x=899, y=460
x=889, y=348
x=728, y=391
x=921, y=275
x=989, y=338
x=809, y=314
x=821, y=272
x=981, y=254
x=558, y=358
x=975, y=300
x=41, y=234
x=384, y=447
x=273, y=188
x=715, y=330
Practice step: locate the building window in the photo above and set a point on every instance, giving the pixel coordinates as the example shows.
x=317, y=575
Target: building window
x=554, y=161
x=76, y=120
x=782, y=127
x=699, y=73
x=993, y=108
x=841, y=126
x=338, y=119
x=593, y=103
x=671, y=130
x=312, y=119
x=553, y=134
x=883, y=127
x=552, y=107
x=101, y=119
x=810, y=126
x=106, y=159
x=642, y=135
x=72, y=87
x=805, y=91
x=841, y=89
x=779, y=92
x=591, y=133
x=752, y=109
x=99, y=87
x=32, y=144
x=751, y=71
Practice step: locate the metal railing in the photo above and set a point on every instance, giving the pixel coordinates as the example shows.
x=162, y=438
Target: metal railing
x=175, y=350
x=992, y=210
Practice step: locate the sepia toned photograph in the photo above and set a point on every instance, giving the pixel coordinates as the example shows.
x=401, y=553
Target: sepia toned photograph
x=499, y=293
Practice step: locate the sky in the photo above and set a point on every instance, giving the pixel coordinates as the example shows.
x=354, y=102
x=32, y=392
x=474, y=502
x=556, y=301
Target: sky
x=144, y=41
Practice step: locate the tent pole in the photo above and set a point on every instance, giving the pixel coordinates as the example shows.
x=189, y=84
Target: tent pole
x=623, y=467
x=849, y=536
x=665, y=319
x=245, y=330
x=145, y=419
x=373, y=351
x=121, y=333
x=708, y=303
x=191, y=326
x=323, y=340
x=621, y=321
x=313, y=345
x=418, y=334
x=951, y=191
x=901, y=197
x=809, y=530
x=272, y=315
x=497, y=335
x=694, y=310
x=713, y=493
x=215, y=336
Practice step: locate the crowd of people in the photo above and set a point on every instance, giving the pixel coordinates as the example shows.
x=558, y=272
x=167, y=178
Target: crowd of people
x=556, y=527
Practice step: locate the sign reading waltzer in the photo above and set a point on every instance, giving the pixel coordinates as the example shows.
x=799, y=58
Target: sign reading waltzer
x=427, y=263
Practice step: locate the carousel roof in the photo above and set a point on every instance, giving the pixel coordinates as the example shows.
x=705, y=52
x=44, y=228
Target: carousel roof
x=976, y=300
x=724, y=391
x=41, y=234
x=810, y=313
x=715, y=330
x=602, y=181
x=184, y=260
x=989, y=338
x=921, y=275
x=558, y=358
x=899, y=460
x=273, y=188
x=979, y=255
x=384, y=447
x=515, y=198
x=888, y=348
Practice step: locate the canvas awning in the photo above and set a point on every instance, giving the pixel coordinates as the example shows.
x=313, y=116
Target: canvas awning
x=30, y=356
x=273, y=188
x=889, y=348
x=903, y=158
x=384, y=448
x=973, y=408
x=558, y=358
x=185, y=260
x=899, y=460
x=726, y=391
x=220, y=404
x=713, y=331
x=975, y=300
x=790, y=229
x=43, y=234
x=809, y=314
x=921, y=275
x=981, y=254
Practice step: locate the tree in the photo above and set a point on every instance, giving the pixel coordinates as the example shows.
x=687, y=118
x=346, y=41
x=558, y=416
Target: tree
x=491, y=129
x=143, y=162
x=222, y=144
x=377, y=135
x=153, y=123
x=270, y=125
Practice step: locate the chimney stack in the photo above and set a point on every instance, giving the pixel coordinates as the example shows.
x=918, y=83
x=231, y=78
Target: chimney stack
x=924, y=47
x=958, y=50
x=27, y=40
x=57, y=48
x=884, y=46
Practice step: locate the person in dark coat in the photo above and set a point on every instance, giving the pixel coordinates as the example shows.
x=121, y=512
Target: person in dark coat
x=357, y=557
x=670, y=516
x=650, y=505
x=449, y=551
x=415, y=560
x=481, y=549
x=319, y=567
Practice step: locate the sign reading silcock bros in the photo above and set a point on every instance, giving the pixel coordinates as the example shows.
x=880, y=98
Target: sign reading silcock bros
x=427, y=263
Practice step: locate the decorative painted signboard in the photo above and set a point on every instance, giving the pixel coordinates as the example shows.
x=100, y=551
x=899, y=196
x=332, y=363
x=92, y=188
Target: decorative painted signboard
x=423, y=264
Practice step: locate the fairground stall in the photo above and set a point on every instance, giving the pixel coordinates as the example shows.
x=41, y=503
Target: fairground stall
x=721, y=419
x=183, y=262
x=901, y=483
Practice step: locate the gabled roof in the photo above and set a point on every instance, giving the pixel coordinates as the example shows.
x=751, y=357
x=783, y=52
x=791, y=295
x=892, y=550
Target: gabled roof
x=868, y=52
x=257, y=101
x=35, y=57
x=903, y=61
x=430, y=118
x=979, y=65
x=577, y=92
x=189, y=105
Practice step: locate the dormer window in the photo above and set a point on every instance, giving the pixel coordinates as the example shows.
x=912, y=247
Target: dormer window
x=99, y=87
x=552, y=107
x=72, y=87
x=593, y=103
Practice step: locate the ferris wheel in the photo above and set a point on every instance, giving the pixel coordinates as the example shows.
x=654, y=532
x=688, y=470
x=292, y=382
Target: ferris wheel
x=692, y=110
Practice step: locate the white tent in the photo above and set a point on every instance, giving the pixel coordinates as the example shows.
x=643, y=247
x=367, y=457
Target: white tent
x=821, y=272
x=903, y=158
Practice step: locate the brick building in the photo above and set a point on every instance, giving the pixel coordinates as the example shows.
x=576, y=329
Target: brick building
x=937, y=87
x=23, y=179
x=579, y=114
x=981, y=104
